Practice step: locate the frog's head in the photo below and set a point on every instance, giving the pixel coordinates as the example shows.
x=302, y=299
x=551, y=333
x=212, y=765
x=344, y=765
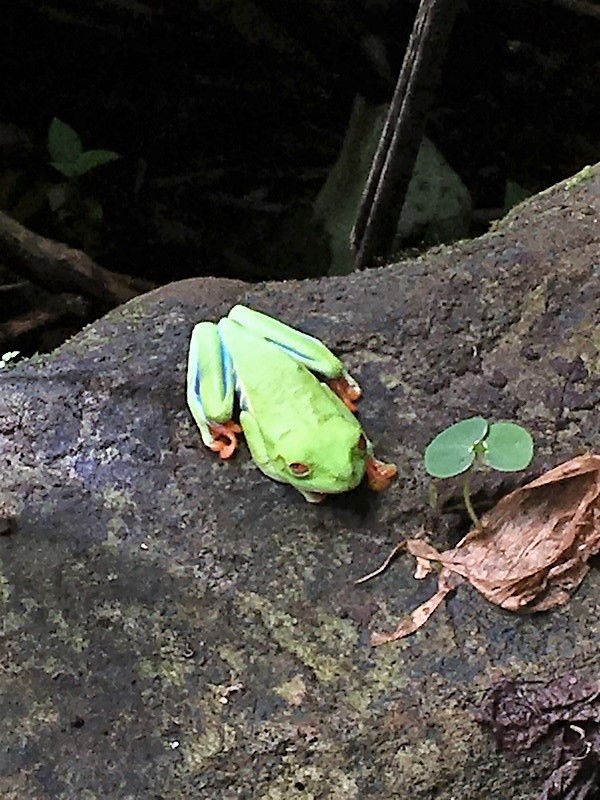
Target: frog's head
x=318, y=460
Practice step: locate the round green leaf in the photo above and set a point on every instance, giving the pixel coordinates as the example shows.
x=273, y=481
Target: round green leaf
x=509, y=447
x=452, y=450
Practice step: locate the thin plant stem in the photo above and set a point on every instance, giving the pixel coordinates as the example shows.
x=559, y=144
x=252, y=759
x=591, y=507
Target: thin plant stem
x=468, y=504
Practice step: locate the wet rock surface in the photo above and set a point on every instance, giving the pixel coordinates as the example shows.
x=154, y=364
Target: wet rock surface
x=175, y=626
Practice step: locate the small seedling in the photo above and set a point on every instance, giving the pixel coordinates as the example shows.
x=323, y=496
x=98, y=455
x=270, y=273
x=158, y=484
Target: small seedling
x=78, y=215
x=504, y=446
x=68, y=155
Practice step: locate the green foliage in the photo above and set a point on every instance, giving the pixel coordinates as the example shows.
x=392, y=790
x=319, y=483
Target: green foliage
x=68, y=155
x=453, y=450
x=514, y=194
x=504, y=446
x=508, y=447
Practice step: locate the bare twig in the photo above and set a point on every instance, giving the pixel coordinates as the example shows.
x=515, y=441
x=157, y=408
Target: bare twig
x=59, y=267
x=385, y=190
x=53, y=309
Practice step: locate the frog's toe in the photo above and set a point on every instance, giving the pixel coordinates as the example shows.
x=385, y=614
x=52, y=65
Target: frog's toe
x=225, y=438
x=347, y=389
x=379, y=474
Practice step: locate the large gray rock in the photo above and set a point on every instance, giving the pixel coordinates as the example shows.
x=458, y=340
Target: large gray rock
x=178, y=627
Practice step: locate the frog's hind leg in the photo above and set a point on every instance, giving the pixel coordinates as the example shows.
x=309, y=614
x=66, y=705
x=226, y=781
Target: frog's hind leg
x=302, y=348
x=210, y=389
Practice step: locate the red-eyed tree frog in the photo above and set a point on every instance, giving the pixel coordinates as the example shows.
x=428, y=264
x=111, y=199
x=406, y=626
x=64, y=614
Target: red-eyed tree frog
x=300, y=429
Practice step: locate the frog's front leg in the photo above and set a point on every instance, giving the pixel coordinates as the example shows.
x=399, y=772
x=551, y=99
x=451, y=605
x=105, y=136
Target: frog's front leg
x=211, y=389
x=302, y=348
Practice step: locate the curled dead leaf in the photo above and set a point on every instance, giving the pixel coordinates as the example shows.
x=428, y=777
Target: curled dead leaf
x=533, y=549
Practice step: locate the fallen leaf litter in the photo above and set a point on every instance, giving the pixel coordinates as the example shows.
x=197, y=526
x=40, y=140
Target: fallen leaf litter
x=531, y=553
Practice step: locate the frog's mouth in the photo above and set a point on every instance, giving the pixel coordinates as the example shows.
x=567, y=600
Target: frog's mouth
x=313, y=497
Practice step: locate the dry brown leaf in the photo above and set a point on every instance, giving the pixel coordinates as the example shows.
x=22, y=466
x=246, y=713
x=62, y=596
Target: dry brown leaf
x=447, y=582
x=534, y=546
x=566, y=712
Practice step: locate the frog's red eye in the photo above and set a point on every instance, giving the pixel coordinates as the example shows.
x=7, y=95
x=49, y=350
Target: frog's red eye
x=362, y=442
x=299, y=469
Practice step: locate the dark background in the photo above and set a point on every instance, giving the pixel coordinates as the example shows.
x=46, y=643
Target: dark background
x=228, y=116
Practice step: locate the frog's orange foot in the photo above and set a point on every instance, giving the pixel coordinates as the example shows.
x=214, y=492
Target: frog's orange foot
x=347, y=390
x=379, y=474
x=225, y=439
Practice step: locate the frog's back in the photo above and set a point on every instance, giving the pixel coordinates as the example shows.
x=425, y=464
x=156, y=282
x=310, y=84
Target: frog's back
x=289, y=417
x=266, y=373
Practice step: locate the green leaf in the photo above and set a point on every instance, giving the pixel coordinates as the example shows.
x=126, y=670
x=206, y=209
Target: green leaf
x=66, y=168
x=452, y=450
x=64, y=145
x=508, y=447
x=514, y=194
x=94, y=158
